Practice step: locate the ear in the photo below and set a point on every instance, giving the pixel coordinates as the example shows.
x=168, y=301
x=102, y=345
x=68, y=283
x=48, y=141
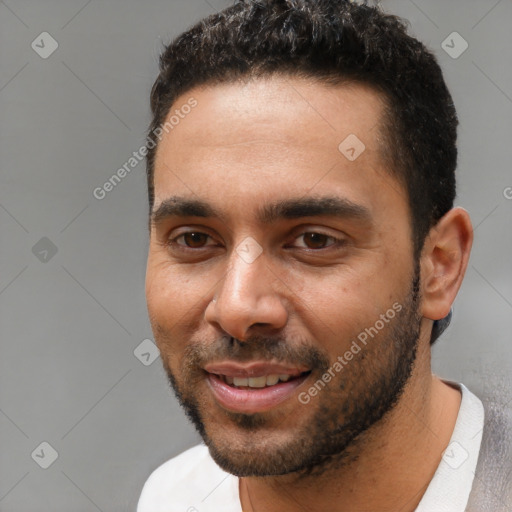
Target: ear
x=444, y=260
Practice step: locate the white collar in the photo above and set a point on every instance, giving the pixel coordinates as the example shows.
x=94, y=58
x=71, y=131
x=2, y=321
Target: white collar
x=451, y=485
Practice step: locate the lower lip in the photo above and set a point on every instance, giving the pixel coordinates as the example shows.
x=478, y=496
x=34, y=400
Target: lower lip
x=252, y=400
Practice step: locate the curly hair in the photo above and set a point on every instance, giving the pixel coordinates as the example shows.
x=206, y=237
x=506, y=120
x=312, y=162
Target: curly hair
x=333, y=42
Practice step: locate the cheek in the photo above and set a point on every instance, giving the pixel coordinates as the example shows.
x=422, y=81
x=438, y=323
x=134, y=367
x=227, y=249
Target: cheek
x=335, y=316
x=169, y=302
x=176, y=298
x=171, y=289
x=337, y=307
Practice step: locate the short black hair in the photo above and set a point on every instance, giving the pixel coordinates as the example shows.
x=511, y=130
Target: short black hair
x=334, y=42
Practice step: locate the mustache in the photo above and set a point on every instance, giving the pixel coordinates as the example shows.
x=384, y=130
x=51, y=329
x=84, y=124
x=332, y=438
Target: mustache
x=291, y=351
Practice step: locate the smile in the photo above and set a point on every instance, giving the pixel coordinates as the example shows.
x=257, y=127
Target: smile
x=256, y=382
x=254, y=387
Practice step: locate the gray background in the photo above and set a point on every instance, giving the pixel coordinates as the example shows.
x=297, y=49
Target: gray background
x=71, y=321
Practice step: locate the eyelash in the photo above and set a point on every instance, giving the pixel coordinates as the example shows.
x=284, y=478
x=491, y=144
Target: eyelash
x=172, y=242
x=335, y=240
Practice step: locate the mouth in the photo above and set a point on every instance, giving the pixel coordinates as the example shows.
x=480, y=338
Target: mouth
x=255, y=387
x=264, y=381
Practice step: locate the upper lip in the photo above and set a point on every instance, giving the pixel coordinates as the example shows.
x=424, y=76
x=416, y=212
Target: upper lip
x=253, y=369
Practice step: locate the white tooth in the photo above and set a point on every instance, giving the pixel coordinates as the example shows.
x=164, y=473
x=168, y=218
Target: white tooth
x=272, y=379
x=240, y=381
x=284, y=377
x=257, y=382
x=229, y=380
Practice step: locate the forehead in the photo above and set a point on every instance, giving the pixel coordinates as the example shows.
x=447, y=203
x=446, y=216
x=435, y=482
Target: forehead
x=271, y=136
x=295, y=109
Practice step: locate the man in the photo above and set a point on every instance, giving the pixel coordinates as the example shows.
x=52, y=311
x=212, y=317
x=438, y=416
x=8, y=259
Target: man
x=304, y=255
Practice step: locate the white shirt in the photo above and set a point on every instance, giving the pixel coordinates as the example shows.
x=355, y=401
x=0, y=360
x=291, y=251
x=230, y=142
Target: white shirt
x=192, y=481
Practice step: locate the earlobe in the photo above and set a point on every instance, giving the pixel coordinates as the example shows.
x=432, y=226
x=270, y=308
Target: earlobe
x=444, y=260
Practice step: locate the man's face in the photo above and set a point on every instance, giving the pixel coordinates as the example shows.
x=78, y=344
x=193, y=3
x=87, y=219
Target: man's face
x=275, y=253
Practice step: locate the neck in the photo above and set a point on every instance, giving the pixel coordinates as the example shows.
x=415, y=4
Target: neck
x=391, y=464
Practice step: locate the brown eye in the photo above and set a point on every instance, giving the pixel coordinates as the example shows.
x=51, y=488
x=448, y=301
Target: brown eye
x=194, y=240
x=315, y=240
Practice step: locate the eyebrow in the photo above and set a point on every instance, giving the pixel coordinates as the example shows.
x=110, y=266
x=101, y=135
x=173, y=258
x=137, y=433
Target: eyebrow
x=313, y=207
x=289, y=209
x=182, y=207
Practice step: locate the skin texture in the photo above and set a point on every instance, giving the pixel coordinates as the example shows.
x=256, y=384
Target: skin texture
x=305, y=298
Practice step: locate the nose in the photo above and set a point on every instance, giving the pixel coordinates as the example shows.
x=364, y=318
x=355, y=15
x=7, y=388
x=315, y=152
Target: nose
x=247, y=298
